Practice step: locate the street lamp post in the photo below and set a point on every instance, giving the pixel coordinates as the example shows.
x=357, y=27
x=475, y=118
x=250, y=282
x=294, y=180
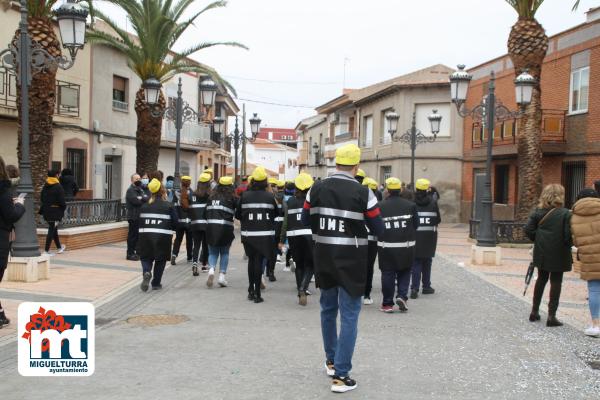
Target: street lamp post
x=26, y=58
x=489, y=111
x=413, y=137
x=240, y=138
x=179, y=113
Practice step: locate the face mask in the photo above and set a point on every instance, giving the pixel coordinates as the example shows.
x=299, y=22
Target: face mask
x=145, y=181
x=137, y=183
x=169, y=184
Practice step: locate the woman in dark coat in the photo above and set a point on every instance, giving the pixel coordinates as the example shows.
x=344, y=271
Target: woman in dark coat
x=550, y=229
x=67, y=181
x=10, y=212
x=53, y=209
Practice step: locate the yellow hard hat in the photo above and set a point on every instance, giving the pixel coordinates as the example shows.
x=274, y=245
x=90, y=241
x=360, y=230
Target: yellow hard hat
x=272, y=181
x=393, y=184
x=259, y=174
x=226, y=181
x=208, y=171
x=422, y=184
x=347, y=155
x=186, y=178
x=204, y=177
x=361, y=173
x=154, y=185
x=280, y=183
x=370, y=182
x=303, y=181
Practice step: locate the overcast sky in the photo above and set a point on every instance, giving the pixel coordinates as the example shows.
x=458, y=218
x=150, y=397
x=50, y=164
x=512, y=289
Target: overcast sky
x=298, y=48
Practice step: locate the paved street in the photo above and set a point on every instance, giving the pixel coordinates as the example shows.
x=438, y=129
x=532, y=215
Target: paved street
x=470, y=340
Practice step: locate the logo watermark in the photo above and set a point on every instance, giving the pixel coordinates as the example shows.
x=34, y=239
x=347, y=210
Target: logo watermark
x=56, y=339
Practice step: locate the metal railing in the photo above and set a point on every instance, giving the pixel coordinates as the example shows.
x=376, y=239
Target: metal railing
x=90, y=212
x=8, y=89
x=120, y=105
x=505, y=231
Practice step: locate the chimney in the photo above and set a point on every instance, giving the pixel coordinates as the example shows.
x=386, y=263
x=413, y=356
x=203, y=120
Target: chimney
x=593, y=14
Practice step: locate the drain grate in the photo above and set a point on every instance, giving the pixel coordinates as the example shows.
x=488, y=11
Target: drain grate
x=157, y=320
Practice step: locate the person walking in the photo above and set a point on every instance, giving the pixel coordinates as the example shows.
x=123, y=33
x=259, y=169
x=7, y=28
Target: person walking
x=53, y=210
x=284, y=247
x=257, y=212
x=584, y=223
x=299, y=236
x=550, y=230
x=157, y=221
x=337, y=209
x=67, y=181
x=181, y=201
x=396, y=246
x=429, y=219
x=11, y=210
x=135, y=197
x=220, y=212
x=372, y=250
x=197, y=216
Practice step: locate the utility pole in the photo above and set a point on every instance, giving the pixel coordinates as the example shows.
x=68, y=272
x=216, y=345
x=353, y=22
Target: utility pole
x=244, y=172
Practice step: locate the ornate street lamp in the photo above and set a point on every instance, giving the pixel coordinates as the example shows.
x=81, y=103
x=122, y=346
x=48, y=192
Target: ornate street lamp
x=152, y=88
x=488, y=112
x=26, y=57
x=208, y=93
x=240, y=138
x=255, y=125
x=218, y=124
x=413, y=136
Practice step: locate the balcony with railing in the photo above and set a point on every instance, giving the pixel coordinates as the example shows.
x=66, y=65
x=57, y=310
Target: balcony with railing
x=120, y=105
x=193, y=134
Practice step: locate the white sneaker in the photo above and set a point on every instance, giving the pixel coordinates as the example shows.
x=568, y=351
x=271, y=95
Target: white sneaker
x=593, y=331
x=292, y=265
x=286, y=269
x=278, y=258
x=46, y=253
x=62, y=249
x=222, y=282
x=367, y=301
x=211, y=277
x=263, y=283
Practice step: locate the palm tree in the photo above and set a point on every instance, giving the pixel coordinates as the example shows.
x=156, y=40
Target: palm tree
x=42, y=91
x=527, y=47
x=158, y=25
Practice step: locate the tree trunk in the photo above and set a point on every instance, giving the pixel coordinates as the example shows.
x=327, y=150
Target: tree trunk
x=148, y=134
x=42, y=102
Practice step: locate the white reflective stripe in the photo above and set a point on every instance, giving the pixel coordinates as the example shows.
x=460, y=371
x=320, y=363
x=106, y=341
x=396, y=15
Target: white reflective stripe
x=184, y=220
x=219, y=221
x=427, y=228
x=294, y=210
x=155, y=230
x=396, y=244
x=257, y=233
x=397, y=217
x=258, y=205
x=223, y=208
x=198, y=221
x=155, y=216
x=337, y=213
x=372, y=238
x=278, y=205
x=198, y=205
x=427, y=214
x=278, y=219
x=342, y=241
x=299, y=232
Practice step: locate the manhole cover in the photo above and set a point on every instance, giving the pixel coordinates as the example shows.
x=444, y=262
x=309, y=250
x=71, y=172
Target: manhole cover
x=157, y=319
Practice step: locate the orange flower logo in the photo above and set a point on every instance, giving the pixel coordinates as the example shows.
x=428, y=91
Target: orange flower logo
x=45, y=320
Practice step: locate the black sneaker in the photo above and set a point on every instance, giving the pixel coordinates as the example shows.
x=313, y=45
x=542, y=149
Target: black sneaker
x=272, y=278
x=173, y=259
x=133, y=257
x=146, y=281
x=204, y=269
x=250, y=296
x=342, y=384
x=157, y=287
x=428, y=290
x=3, y=319
x=195, y=269
x=401, y=304
x=258, y=299
x=414, y=294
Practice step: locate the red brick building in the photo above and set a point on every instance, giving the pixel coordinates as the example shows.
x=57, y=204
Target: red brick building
x=285, y=136
x=570, y=126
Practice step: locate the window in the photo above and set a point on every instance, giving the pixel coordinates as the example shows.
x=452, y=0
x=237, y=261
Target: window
x=501, y=184
x=368, y=131
x=67, y=101
x=508, y=128
x=386, y=172
x=385, y=137
x=580, y=84
x=119, y=96
x=76, y=163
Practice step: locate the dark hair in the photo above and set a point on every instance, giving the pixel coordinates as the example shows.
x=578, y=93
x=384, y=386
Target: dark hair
x=158, y=175
x=290, y=186
x=52, y=173
x=407, y=194
x=259, y=185
x=223, y=193
x=3, y=173
x=394, y=192
x=66, y=171
x=587, y=192
x=12, y=171
x=360, y=179
x=202, y=189
x=170, y=178
x=301, y=194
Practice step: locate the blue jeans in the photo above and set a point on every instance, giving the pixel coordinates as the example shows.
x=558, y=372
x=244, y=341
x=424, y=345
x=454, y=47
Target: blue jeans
x=594, y=298
x=339, y=349
x=213, y=254
x=421, y=271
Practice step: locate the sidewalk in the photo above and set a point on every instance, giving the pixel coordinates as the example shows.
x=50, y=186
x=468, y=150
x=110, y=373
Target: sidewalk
x=453, y=243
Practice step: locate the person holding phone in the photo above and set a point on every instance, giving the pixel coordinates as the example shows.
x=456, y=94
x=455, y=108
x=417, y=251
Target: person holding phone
x=11, y=210
x=53, y=210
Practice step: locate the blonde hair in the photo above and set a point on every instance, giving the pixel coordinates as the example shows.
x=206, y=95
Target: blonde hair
x=552, y=196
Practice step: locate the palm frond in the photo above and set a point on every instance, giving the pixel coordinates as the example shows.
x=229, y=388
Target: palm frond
x=526, y=9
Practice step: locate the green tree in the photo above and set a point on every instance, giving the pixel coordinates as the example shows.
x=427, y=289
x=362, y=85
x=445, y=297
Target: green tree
x=158, y=25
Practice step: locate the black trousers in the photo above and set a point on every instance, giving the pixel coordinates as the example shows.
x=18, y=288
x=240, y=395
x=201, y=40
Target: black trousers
x=288, y=256
x=200, y=244
x=555, y=289
x=303, y=257
x=132, y=236
x=255, y=259
x=371, y=256
x=157, y=266
x=52, y=235
x=189, y=242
